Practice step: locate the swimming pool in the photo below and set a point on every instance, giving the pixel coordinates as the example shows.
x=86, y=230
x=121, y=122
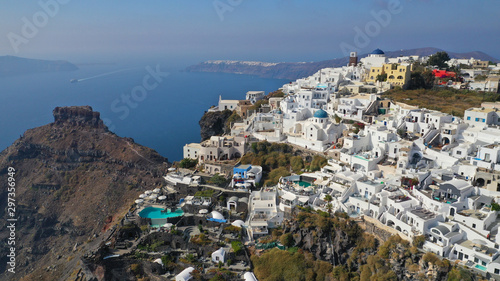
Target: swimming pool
x=303, y=183
x=156, y=213
x=157, y=216
x=483, y=268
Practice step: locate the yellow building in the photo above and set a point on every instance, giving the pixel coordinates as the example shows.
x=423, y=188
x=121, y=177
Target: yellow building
x=397, y=74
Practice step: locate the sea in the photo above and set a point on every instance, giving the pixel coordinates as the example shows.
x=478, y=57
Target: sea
x=157, y=105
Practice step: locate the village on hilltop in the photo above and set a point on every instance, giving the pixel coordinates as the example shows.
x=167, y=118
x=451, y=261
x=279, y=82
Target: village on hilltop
x=408, y=170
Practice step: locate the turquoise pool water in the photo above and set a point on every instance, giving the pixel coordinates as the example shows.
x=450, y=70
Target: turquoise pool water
x=156, y=213
x=478, y=266
x=303, y=183
x=159, y=218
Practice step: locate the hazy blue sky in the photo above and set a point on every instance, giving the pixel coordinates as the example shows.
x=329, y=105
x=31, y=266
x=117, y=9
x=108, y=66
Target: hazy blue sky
x=268, y=30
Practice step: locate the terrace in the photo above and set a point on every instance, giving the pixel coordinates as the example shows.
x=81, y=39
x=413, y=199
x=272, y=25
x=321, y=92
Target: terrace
x=473, y=213
x=399, y=198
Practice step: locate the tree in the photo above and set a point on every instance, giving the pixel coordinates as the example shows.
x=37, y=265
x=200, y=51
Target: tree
x=328, y=198
x=337, y=118
x=480, y=77
x=418, y=241
x=495, y=207
x=188, y=163
x=287, y=240
x=218, y=180
x=439, y=59
x=382, y=77
x=421, y=80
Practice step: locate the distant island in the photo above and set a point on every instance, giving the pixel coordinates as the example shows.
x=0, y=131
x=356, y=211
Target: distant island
x=11, y=65
x=296, y=70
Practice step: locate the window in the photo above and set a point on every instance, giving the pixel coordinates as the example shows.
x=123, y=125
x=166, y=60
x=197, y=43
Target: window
x=468, y=117
x=477, y=119
x=497, y=271
x=476, y=260
x=455, y=252
x=459, y=152
x=466, y=256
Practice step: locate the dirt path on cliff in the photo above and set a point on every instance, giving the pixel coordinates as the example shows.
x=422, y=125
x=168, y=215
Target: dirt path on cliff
x=140, y=155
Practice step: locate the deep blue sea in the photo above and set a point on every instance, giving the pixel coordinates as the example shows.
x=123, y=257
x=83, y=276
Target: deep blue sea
x=163, y=117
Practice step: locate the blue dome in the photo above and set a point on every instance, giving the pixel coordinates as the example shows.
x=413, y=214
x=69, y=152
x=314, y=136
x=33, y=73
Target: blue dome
x=377, y=52
x=320, y=114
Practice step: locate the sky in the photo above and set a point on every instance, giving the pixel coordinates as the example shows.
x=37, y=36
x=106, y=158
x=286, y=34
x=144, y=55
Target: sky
x=192, y=31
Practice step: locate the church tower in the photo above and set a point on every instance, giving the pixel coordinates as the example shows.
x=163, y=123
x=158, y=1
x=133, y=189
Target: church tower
x=353, y=59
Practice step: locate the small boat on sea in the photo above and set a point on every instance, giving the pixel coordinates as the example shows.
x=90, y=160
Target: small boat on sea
x=73, y=80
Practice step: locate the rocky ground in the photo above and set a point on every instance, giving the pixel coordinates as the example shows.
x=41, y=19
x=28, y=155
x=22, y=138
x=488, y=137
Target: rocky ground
x=74, y=181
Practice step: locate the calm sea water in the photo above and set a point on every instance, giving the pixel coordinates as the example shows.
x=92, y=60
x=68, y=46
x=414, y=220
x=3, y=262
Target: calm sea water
x=164, y=118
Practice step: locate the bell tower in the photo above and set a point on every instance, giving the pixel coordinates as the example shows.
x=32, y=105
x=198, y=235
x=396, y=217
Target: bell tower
x=353, y=59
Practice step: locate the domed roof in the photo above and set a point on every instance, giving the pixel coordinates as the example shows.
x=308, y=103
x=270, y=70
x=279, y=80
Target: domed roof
x=377, y=52
x=216, y=215
x=320, y=114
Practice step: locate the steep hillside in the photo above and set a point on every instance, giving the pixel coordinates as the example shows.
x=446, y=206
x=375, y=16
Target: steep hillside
x=10, y=65
x=74, y=179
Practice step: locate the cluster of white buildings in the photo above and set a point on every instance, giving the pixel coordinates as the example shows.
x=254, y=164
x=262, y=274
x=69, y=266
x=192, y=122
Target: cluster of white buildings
x=418, y=171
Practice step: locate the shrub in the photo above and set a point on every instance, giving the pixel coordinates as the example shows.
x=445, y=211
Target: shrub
x=237, y=247
x=287, y=240
x=418, y=241
x=188, y=163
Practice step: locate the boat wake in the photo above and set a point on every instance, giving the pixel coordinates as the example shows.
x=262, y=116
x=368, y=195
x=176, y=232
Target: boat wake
x=100, y=75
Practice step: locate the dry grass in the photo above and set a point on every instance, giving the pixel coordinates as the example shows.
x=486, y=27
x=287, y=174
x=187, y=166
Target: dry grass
x=450, y=101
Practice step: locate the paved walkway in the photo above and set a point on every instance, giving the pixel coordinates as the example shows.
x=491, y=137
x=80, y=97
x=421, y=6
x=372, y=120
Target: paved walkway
x=224, y=189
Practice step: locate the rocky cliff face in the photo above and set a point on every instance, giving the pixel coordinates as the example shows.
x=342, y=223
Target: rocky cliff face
x=78, y=116
x=349, y=247
x=214, y=123
x=74, y=180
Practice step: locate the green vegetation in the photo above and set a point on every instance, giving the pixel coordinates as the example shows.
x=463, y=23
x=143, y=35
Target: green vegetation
x=188, y=163
x=277, y=264
x=495, y=207
x=317, y=163
x=276, y=160
x=459, y=274
x=382, y=77
x=218, y=180
x=276, y=94
x=205, y=193
x=258, y=104
x=480, y=77
x=287, y=240
x=423, y=79
x=447, y=100
x=418, y=241
x=232, y=119
x=237, y=247
x=439, y=59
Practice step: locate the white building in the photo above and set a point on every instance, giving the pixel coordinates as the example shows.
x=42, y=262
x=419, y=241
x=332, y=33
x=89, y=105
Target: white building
x=254, y=96
x=263, y=212
x=185, y=275
x=219, y=256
